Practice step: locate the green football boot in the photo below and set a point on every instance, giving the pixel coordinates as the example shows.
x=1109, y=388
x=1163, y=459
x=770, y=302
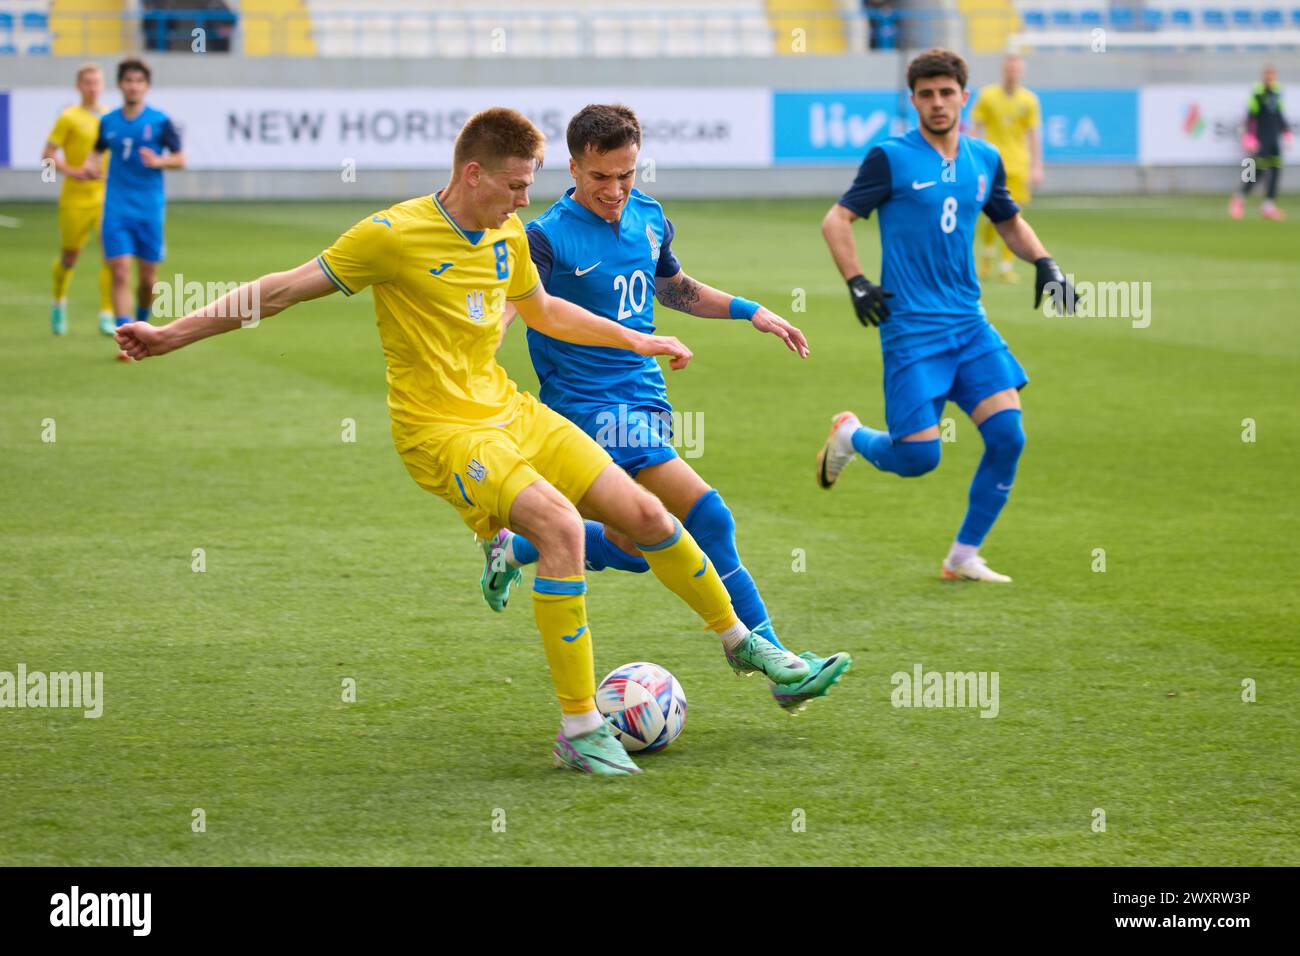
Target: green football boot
x=107, y=324
x=59, y=319
x=497, y=575
x=824, y=672
x=598, y=753
x=757, y=654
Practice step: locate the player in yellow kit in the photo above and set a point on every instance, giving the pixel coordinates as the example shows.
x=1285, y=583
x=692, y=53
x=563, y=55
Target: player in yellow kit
x=442, y=268
x=81, y=200
x=1008, y=116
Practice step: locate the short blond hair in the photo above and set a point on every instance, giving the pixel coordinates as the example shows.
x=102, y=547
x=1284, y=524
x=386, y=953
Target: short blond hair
x=491, y=137
x=88, y=67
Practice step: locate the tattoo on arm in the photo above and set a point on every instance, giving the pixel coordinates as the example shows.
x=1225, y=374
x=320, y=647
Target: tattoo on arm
x=681, y=292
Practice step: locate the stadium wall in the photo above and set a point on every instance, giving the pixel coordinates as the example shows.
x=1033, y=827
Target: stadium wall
x=790, y=126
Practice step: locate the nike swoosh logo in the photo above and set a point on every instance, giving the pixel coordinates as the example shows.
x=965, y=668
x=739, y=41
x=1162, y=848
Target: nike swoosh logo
x=441, y=269
x=916, y=185
x=574, y=636
x=703, y=567
x=583, y=272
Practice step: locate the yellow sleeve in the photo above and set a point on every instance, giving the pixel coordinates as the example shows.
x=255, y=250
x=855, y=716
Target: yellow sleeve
x=59, y=135
x=367, y=254
x=1035, y=112
x=979, y=112
x=525, y=278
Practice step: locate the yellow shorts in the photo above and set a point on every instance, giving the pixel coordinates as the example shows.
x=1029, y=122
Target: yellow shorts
x=481, y=469
x=1018, y=186
x=76, y=223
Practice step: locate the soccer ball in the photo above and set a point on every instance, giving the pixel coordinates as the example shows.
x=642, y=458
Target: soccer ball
x=644, y=706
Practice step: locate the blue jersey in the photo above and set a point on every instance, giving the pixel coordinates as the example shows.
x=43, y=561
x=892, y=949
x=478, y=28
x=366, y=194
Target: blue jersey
x=928, y=207
x=135, y=191
x=609, y=269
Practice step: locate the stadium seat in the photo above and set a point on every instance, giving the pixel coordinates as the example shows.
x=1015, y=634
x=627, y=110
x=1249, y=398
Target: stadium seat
x=1295, y=17
x=1153, y=18
x=1181, y=18
x=40, y=48
x=7, y=49
x=1034, y=19
x=1090, y=18
x=6, y=20
x=1271, y=18
x=1214, y=19
x=1242, y=17
x=1122, y=17
x=36, y=20
x=1063, y=18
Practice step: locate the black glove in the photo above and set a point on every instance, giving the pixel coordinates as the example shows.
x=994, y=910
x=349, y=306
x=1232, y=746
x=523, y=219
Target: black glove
x=1061, y=293
x=869, y=300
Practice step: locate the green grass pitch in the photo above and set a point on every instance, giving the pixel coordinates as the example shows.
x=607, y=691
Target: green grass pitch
x=1119, y=690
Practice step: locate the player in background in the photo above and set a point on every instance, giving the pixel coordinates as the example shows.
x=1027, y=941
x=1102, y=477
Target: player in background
x=929, y=186
x=1008, y=116
x=142, y=143
x=607, y=246
x=442, y=268
x=81, y=199
x=1266, y=131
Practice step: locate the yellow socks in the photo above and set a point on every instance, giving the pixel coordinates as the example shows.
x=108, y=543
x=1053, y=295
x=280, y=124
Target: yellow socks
x=62, y=279
x=105, y=289
x=684, y=569
x=560, y=606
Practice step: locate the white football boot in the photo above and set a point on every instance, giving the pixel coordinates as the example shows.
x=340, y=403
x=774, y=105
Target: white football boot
x=838, y=450
x=972, y=569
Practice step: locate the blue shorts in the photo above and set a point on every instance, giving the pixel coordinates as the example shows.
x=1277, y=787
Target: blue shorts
x=636, y=436
x=124, y=236
x=916, y=388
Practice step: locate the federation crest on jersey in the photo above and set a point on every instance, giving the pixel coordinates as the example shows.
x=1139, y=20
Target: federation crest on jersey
x=654, y=242
x=983, y=185
x=476, y=470
x=148, y=131
x=474, y=305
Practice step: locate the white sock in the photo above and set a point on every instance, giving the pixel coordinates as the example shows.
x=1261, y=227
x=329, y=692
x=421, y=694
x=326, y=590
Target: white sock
x=959, y=554
x=575, y=725
x=509, y=552
x=733, y=635
x=844, y=434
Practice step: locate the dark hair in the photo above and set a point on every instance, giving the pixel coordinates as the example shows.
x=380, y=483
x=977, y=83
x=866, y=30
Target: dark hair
x=936, y=62
x=133, y=65
x=492, y=136
x=602, y=127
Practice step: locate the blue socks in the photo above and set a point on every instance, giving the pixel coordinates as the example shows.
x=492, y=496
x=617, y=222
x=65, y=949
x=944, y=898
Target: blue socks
x=714, y=530
x=142, y=313
x=906, y=458
x=601, y=552
x=1004, y=439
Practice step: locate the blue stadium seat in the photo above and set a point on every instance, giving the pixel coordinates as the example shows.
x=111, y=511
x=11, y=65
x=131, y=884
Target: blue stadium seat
x=1270, y=18
x=1034, y=19
x=1121, y=17
x=1090, y=18
x=7, y=49
x=39, y=49
x=1152, y=18
x=1181, y=18
x=1295, y=17
x=1062, y=18
x=34, y=20
x=1214, y=19
x=6, y=20
x=1243, y=18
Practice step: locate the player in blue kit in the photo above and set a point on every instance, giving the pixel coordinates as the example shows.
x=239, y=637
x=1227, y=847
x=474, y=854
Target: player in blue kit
x=142, y=142
x=608, y=247
x=929, y=187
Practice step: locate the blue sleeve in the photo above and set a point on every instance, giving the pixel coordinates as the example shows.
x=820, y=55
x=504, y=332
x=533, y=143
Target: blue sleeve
x=539, y=248
x=668, y=265
x=169, y=139
x=1000, y=207
x=871, y=186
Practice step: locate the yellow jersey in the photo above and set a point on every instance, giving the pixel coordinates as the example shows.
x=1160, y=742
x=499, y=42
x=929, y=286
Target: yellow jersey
x=75, y=132
x=440, y=292
x=1007, y=120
